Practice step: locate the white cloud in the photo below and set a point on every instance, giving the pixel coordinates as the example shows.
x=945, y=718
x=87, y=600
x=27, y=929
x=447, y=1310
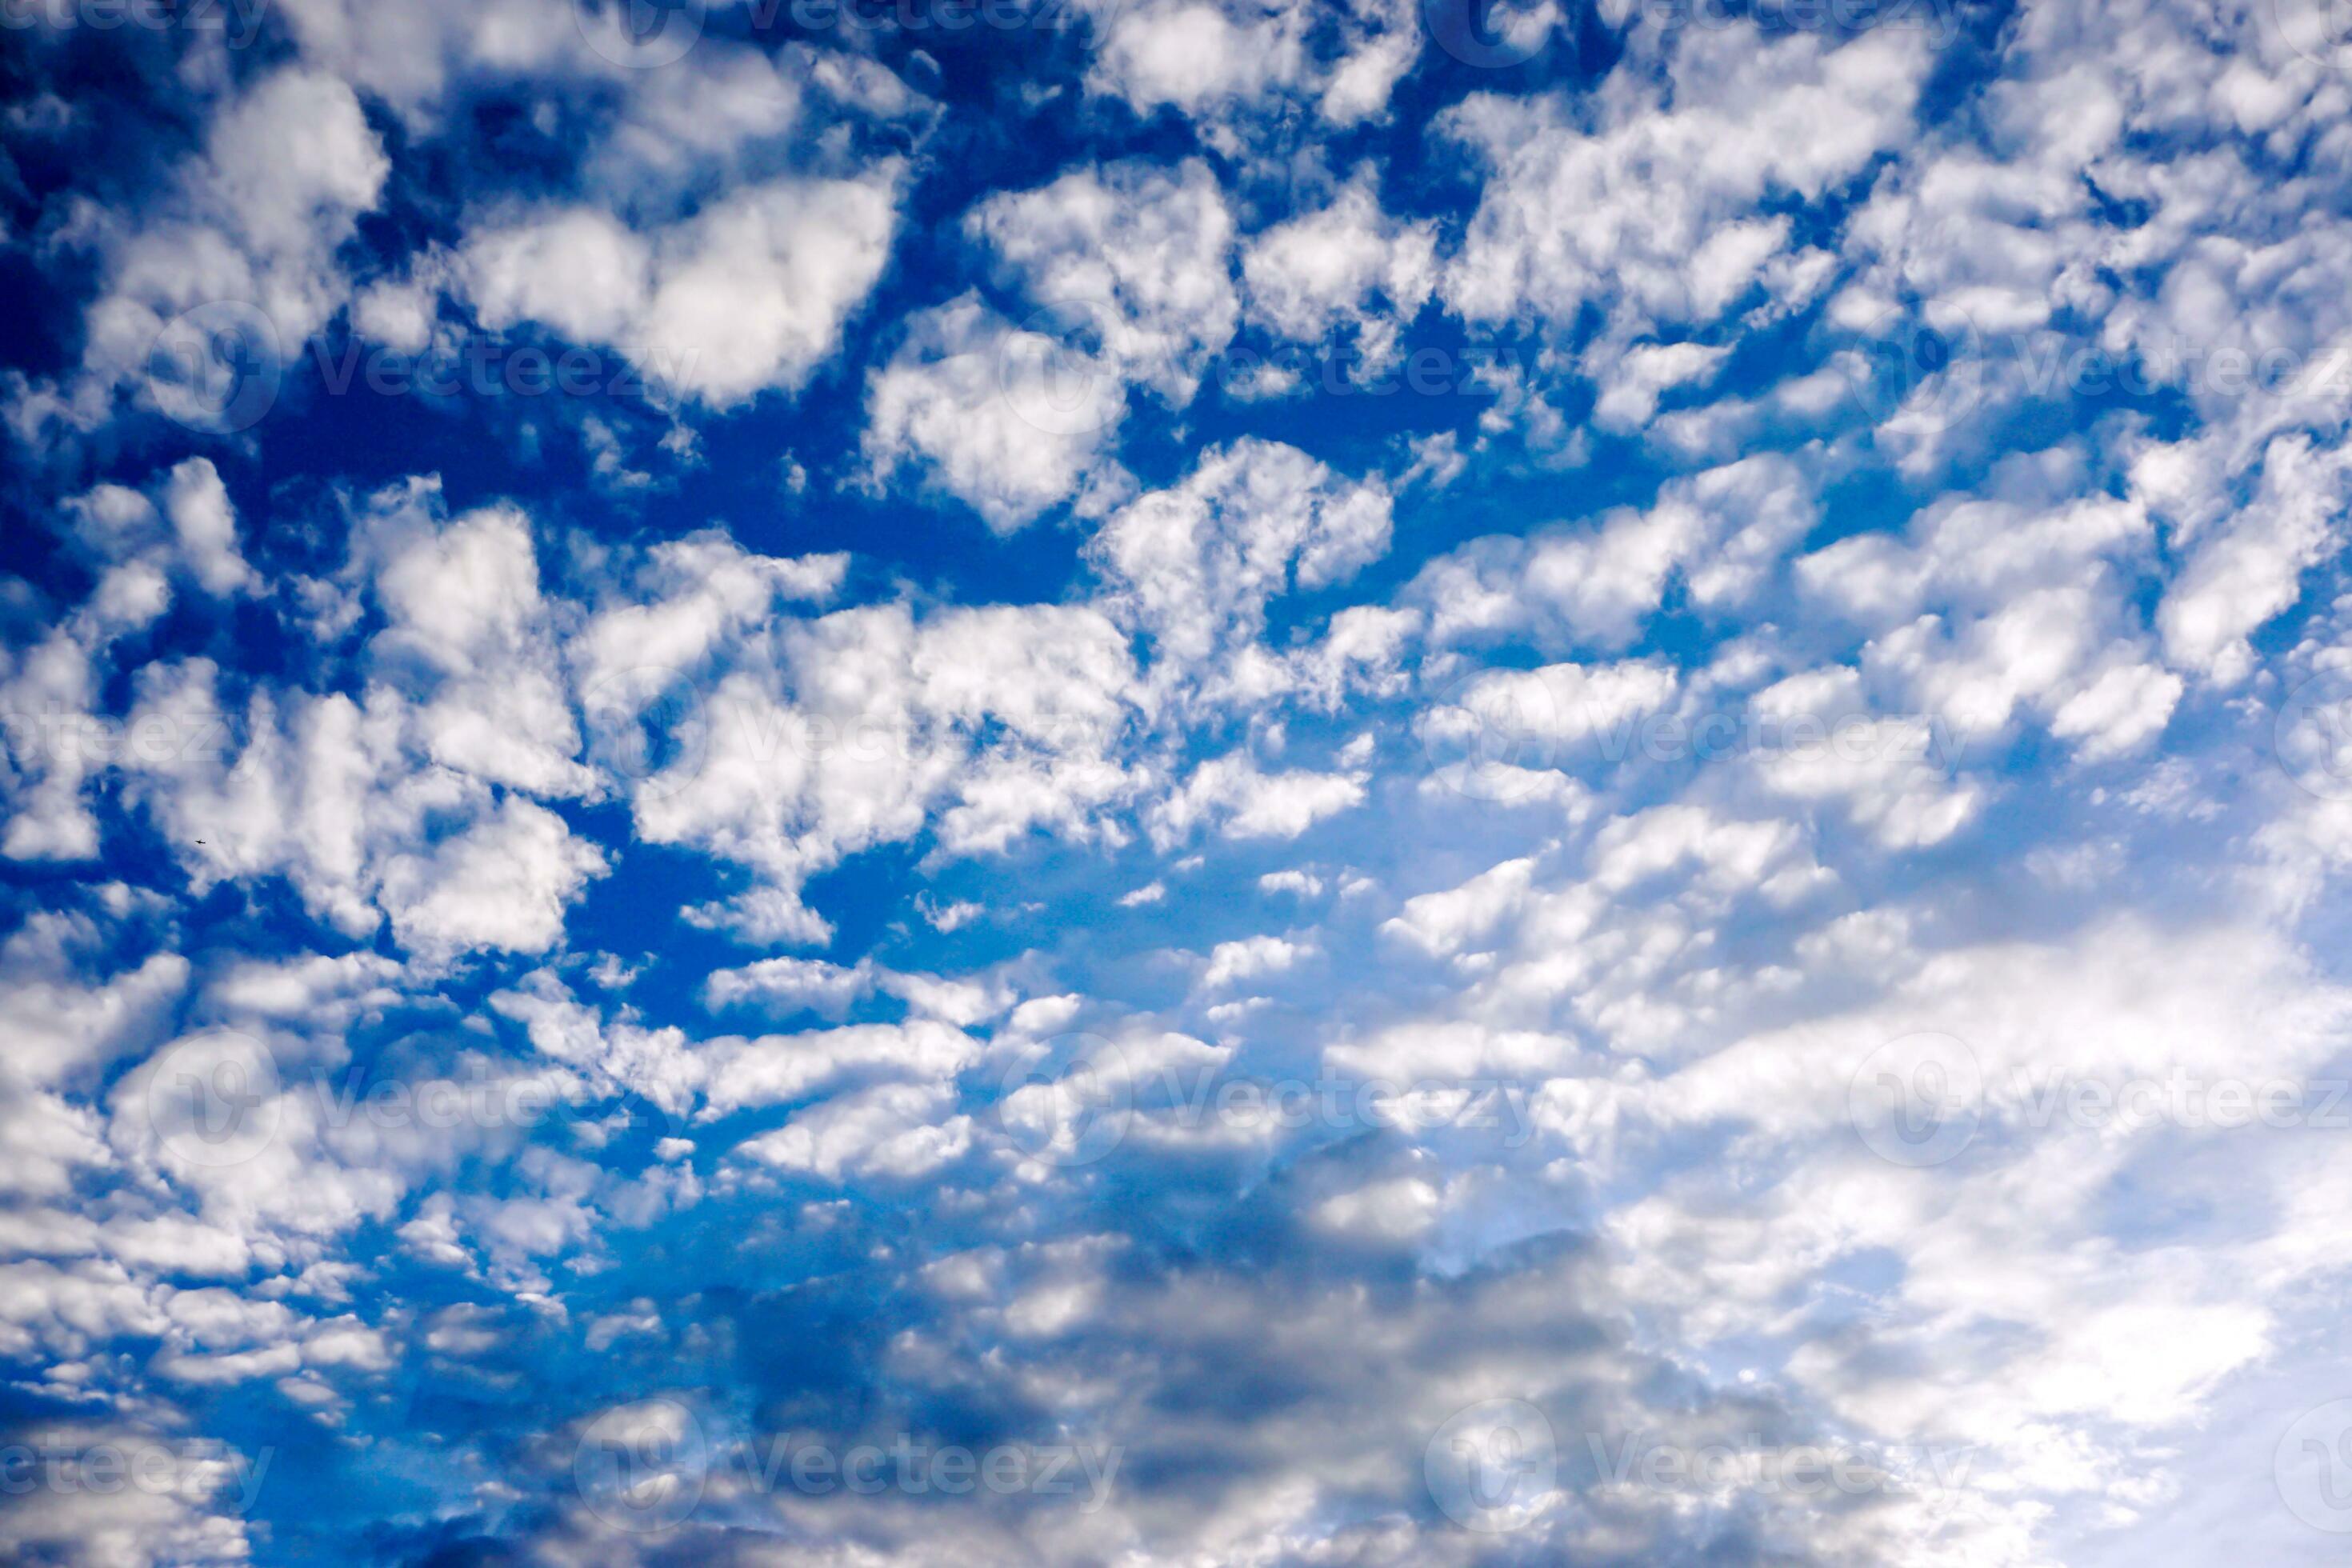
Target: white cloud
x=253, y=222
x=1011, y=422
x=1252, y=958
x=1214, y=60
x=504, y=884
x=896, y=1132
x=1347, y=265
x=1231, y=794
x=748, y=295
x=1133, y=261
x=1613, y=211
x=1195, y=566
x=1720, y=532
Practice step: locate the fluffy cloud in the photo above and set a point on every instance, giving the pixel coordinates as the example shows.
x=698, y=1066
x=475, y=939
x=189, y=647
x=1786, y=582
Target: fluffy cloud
x=1743, y=881
x=747, y=296
x=1134, y=262
x=1009, y=421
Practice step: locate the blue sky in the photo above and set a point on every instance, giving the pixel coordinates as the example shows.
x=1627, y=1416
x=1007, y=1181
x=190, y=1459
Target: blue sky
x=1174, y=780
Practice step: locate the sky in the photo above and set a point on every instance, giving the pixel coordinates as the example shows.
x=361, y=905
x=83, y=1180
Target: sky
x=1192, y=781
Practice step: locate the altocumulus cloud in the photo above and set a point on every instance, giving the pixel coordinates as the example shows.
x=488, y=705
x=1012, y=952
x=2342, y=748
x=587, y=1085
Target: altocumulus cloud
x=1174, y=780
